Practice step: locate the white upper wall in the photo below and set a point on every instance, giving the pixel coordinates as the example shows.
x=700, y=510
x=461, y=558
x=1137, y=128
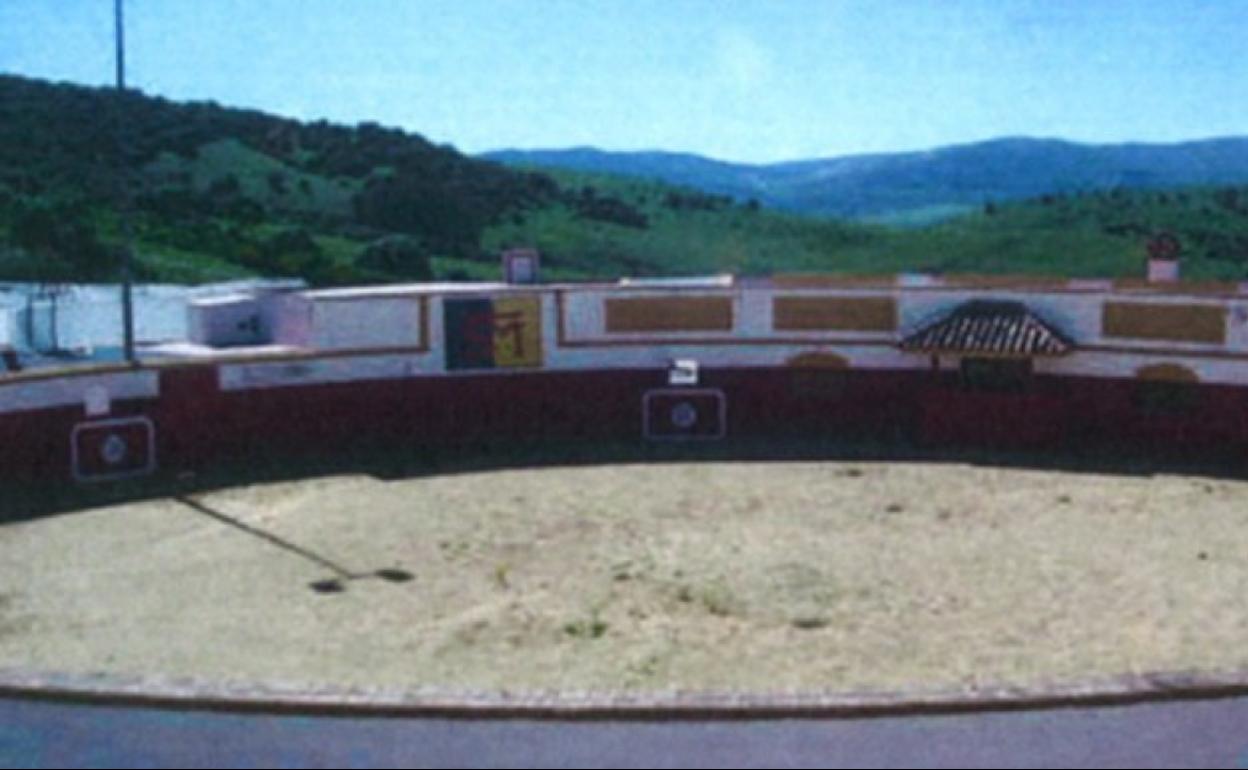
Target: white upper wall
x=372, y=322
x=377, y=324
x=8, y=326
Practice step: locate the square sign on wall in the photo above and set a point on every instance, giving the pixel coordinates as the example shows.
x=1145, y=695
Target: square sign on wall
x=113, y=449
x=676, y=414
x=493, y=333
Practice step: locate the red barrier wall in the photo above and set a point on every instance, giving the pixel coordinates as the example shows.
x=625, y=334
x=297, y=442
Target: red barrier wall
x=197, y=424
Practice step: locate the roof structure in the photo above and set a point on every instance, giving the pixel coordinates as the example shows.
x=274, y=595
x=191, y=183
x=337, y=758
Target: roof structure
x=990, y=328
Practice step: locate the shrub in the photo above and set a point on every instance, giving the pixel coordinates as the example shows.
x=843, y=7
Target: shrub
x=399, y=256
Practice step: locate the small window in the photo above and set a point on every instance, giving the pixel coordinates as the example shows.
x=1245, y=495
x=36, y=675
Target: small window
x=996, y=375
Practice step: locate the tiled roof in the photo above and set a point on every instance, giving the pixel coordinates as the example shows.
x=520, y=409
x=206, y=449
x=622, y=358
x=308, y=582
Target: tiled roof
x=989, y=327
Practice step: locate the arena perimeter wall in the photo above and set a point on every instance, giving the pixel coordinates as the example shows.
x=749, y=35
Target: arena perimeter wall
x=178, y=418
x=1159, y=368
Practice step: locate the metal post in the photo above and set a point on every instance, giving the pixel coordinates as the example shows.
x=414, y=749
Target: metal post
x=127, y=300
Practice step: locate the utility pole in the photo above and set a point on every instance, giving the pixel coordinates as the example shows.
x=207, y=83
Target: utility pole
x=127, y=299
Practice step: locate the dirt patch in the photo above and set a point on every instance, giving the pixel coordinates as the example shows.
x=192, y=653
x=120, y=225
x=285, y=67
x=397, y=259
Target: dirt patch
x=11, y=623
x=713, y=576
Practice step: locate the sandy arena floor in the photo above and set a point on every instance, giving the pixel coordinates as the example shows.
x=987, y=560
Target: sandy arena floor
x=759, y=576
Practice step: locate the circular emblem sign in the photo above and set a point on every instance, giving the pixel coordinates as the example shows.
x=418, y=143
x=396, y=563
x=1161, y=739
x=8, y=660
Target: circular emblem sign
x=684, y=415
x=113, y=450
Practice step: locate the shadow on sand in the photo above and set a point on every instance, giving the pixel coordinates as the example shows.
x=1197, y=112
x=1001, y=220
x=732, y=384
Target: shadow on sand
x=393, y=461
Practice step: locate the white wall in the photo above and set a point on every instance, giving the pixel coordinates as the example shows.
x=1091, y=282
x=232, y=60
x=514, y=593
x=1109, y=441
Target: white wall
x=26, y=395
x=373, y=322
x=8, y=327
x=382, y=321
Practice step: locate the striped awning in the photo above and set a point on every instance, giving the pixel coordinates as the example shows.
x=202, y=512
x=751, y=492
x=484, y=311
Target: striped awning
x=989, y=328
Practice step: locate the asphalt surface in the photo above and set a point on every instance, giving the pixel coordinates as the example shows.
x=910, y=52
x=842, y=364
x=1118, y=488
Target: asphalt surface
x=1210, y=734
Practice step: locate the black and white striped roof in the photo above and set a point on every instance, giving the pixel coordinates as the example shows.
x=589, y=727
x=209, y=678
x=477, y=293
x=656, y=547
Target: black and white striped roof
x=991, y=328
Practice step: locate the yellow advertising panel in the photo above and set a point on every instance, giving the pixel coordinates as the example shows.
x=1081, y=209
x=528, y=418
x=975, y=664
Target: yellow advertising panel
x=1165, y=321
x=518, y=331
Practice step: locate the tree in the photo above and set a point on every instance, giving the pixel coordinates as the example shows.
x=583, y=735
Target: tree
x=449, y=219
x=291, y=253
x=225, y=186
x=397, y=256
x=64, y=243
x=277, y=183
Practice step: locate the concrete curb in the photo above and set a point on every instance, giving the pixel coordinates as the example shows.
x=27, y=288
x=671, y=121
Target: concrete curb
x=193, y=694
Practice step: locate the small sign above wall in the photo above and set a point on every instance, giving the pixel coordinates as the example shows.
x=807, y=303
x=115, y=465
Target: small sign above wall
x=96, y=401
x=521, y=266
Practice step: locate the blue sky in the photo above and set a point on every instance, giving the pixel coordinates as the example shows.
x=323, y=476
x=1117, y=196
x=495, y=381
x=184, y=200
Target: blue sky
x=746, y=80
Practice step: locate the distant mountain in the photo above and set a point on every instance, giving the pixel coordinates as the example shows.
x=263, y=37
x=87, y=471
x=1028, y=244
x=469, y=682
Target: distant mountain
x=919, y=187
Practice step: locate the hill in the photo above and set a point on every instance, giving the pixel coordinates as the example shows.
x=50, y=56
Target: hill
x=921, y=187
x=1101, y=233
x=216, y=193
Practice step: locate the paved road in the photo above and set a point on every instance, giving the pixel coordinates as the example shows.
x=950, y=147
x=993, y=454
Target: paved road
x=1187, y=734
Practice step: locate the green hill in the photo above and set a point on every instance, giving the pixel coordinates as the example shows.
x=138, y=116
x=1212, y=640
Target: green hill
x=217, y=193
x=1086, y=234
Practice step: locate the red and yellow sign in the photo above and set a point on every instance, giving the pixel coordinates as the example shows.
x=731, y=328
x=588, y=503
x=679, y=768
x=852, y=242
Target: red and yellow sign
x=493, y=333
